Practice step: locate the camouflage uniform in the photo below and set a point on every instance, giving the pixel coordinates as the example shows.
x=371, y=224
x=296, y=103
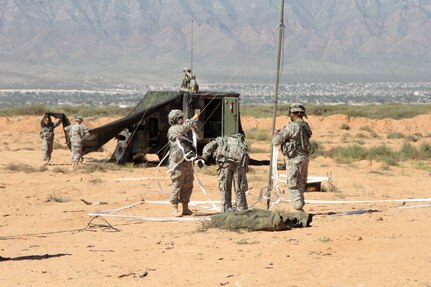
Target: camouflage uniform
x=295, y=141
x=77, y=132
x=229, y=170
x=47, y=136
x=180, y=170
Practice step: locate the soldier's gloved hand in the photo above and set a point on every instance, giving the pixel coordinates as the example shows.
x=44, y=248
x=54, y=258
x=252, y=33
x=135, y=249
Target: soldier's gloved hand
x=200, y=163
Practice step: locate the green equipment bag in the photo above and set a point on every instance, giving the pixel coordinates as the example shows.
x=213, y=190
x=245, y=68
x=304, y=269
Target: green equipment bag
x=261, y=220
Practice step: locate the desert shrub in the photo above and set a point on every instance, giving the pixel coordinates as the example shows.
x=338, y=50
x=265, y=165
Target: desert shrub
x=366, y=128
x=408, y=151
x=425, y=150
x=316, y=149
x=413, y=138
x=59, y=170
x=362, y=136
x=259, y=134
x=55, y=198
x=253, y=149
x=396, y=136
x=359, y=141
x=347, y=154
x=102, y=167
x=345, y=127
x=58, y=145
x=85, y=111
x=21, y=167
x=379, y=153
x=35, y=109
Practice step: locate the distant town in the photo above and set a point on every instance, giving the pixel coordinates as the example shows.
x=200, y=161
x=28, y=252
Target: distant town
x=317, y=93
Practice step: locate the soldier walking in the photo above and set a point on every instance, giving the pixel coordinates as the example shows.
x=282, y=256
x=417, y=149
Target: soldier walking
x=77, y=131
x=47, y=135
x=180, y=164
x=294, y=139
x=232, y=158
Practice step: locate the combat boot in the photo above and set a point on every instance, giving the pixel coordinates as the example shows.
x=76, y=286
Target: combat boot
x=186, y=210
x=175, y=211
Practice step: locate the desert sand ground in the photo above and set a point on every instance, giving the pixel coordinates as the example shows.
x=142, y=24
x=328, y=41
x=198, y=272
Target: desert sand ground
x=43, y=240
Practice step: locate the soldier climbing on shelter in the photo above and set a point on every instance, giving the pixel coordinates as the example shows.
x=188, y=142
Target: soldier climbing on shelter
x=77, y=131
x=189, y=84
x=47, y=135
x=294, y=139
x=182, y=153
x=231, y=155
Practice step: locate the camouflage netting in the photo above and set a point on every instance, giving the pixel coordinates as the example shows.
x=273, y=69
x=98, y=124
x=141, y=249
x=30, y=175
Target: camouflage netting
x=97, y=137
x=261, y=220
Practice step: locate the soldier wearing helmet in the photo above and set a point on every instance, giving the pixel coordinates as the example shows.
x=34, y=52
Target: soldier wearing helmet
x=77, y=131
x=188, y=83
x=294, y=139
x=181, y=155
x=47, y=135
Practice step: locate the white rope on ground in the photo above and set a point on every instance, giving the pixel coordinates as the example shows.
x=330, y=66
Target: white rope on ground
x=132, y=178
x=312, y=201
x=122, y=208
x=146, y=218
x=202, y=188
x=415, y=206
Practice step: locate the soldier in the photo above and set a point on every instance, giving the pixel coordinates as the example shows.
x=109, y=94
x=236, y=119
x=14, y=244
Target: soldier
x=77, y=131
x=295, y=145
x=189, y=84
x=47, y=136
x=180, y=164
x=232, y=158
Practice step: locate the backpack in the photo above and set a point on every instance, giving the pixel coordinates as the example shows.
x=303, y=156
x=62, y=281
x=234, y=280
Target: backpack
x=234, y=148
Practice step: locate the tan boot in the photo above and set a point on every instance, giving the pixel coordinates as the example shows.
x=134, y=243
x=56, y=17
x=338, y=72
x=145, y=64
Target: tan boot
x=186, y=210
x=175, y=211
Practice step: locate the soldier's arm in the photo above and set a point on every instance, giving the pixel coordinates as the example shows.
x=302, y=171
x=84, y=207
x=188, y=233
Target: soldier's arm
x=209, y=149
x=57, y=123
x=282, y=136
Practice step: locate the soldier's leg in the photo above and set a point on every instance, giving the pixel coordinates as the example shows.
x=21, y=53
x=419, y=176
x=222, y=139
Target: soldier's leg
x=225, y=187
x=187, y=187
x=303, y=174
x=50, y=145
x=241, y=186
x=75, y=156
x=293, y=173
x=177, y=178
x=44, y=150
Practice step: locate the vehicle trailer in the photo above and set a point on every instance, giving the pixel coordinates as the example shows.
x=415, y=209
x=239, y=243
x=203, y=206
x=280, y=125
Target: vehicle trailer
x=219, y=116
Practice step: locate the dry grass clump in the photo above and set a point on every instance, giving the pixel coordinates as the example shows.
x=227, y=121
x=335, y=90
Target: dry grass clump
x=56, y=198
x=21, y=167
x=259, y=134
x=102, y=167
x=58, y=145
x=59, y=170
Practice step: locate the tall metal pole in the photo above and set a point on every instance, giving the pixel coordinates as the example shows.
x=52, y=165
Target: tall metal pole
x=191, y=50
x=274, y=113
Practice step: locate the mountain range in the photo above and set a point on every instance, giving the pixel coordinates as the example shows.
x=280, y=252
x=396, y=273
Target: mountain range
x=130, y=43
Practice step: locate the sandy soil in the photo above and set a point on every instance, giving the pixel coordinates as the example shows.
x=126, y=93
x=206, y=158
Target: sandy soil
x=43, y=220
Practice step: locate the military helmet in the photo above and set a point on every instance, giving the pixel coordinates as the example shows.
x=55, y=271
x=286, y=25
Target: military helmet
x=174, y=115
x=78, y=118
x=296, y=107
x=187, y=69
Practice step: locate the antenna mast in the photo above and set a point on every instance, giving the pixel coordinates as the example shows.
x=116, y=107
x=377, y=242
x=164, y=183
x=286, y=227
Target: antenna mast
x=274, y=114
x=191, y=50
